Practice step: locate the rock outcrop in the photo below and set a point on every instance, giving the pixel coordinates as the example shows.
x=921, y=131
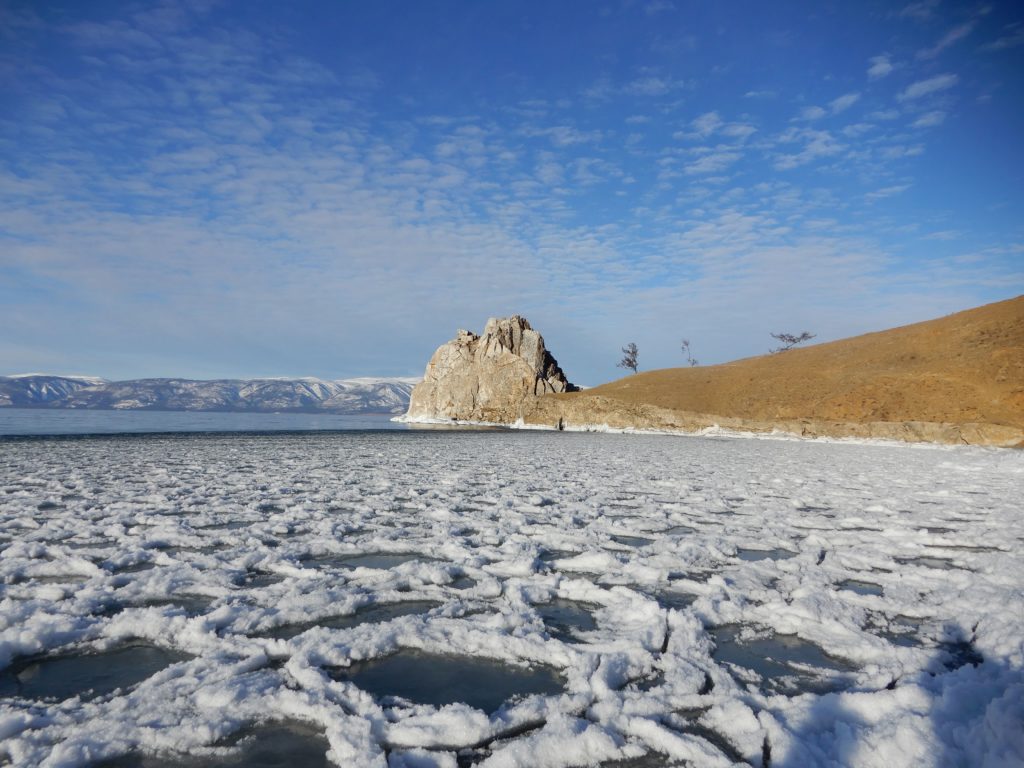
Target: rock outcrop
x=487, y=377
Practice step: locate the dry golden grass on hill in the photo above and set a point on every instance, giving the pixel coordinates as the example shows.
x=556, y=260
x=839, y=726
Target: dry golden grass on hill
x=964, y=368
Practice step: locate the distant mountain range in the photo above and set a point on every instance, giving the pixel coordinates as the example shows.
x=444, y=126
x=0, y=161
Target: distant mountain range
x=365, y=395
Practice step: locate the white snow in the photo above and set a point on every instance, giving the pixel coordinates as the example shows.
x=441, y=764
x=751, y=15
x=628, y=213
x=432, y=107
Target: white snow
x=530, y=517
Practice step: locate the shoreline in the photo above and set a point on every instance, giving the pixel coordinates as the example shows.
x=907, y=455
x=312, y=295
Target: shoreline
x=717, y=430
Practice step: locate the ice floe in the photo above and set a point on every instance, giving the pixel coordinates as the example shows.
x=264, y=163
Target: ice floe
x=508, y=598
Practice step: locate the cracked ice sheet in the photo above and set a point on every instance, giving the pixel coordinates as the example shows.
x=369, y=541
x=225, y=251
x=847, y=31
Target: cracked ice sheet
x=98, y=533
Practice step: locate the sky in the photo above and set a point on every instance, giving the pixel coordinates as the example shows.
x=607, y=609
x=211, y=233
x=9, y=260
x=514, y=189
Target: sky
x=238, y=189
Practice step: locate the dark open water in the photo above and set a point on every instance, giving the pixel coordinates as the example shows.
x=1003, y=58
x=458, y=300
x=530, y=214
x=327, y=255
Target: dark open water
x=38, y=421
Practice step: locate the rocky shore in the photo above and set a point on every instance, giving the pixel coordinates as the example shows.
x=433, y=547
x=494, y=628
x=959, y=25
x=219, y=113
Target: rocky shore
x=597, y=412
x=958, y=380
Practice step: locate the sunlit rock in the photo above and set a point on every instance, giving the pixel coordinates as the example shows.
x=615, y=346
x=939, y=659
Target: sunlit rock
x=487, y=377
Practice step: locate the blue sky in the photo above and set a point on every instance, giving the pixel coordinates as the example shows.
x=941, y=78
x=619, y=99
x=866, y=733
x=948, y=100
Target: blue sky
x=218, y=189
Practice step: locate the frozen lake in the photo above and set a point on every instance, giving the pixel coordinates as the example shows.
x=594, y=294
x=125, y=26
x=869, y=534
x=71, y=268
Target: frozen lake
x=69, y=421
x=435, y=598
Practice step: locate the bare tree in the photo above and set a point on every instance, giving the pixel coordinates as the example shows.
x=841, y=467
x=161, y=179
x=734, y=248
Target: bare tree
x=690, y=359
x=629, y=354
x=790, y=340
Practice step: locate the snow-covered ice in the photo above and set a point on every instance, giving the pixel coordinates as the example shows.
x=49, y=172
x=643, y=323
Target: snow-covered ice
x=659, y=600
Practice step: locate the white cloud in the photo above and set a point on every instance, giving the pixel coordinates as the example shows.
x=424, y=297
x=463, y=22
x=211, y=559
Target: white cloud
x=899, y=151
x=588, y=171
x=1014, y=36
x=658, y=6
x=651, y=85
x=363, y=78
x=886, y=192
x=112, y=34
x=880, y=66
x=563, y=135
x=549, y=170
x=929, y=86
x=930, y=119
x=707, y=123
x=854, y=130
x=739, y=130
x=955, y=34
x=922, y=11
x=714, y=162
x=844, y=102
x=646, y=85
x=812, y=113
x=601, y=90
x=817, y=145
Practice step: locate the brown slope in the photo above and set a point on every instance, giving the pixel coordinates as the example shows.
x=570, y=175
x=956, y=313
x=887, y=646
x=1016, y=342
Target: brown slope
x=964, y=368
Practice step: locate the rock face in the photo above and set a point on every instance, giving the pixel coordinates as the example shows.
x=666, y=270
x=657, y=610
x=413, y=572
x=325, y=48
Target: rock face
x=487, y=377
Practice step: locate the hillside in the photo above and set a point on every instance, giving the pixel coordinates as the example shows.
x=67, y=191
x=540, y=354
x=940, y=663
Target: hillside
x=964, y=369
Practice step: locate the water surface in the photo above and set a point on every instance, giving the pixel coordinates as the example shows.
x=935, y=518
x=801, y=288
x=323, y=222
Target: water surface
x=273, y=745
x=435, y=679
x=565, y=619
x=374, y=614
x=784, y=663
x=70, y=421
x=86, y=675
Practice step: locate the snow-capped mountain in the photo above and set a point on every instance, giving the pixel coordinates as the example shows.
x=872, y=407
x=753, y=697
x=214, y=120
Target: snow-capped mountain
x=34, y=389
x=362, y=395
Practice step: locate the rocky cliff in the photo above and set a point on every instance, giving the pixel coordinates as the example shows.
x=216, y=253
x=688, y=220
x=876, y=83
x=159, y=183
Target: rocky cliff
x=487, y=377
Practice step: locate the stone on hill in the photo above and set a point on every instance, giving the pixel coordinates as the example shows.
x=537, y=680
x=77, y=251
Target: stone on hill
x=487, y=377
